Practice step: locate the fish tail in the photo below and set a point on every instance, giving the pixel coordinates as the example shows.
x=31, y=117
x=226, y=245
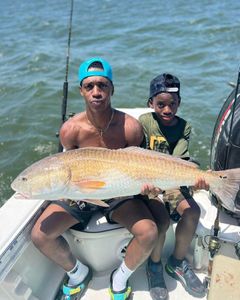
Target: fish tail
x=227, y=187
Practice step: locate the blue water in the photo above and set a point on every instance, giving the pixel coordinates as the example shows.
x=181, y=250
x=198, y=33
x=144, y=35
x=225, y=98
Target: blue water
x=196, y=41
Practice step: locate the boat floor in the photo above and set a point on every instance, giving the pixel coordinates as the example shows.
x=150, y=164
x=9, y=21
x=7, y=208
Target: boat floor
x=98, y=287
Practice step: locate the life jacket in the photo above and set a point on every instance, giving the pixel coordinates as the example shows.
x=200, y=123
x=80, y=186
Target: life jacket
x=225, y=146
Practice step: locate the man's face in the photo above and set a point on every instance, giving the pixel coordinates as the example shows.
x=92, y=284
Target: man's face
x=165, y=105
x=97, y=91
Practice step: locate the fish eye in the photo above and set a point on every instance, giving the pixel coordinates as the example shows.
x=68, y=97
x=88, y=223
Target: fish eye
x=24, y=178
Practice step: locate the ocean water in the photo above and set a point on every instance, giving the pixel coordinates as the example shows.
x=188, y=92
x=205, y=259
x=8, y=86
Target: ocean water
x=196, y=41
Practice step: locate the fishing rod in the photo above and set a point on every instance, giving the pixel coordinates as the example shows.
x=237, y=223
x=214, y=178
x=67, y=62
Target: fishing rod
x=65, y=84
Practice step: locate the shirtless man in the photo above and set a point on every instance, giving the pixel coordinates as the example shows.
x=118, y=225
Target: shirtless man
x=100, y=125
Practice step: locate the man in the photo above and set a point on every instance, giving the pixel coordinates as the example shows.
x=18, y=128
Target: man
x=100, y=125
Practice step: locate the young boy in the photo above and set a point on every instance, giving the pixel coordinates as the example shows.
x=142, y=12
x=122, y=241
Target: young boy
x=168, y=133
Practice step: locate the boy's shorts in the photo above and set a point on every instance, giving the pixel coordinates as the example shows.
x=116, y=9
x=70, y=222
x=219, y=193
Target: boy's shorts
x=173, y=198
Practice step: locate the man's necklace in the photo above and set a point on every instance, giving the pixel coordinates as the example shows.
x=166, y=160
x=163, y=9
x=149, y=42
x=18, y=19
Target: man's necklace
x=102, y=130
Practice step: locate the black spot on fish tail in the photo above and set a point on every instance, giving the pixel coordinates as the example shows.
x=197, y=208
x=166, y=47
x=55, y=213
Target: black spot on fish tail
x=227, y=187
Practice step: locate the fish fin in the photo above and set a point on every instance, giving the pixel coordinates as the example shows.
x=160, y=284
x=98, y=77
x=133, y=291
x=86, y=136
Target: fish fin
x=159, y=155
x=229, y=187
x=90, y=184
x=96, y=202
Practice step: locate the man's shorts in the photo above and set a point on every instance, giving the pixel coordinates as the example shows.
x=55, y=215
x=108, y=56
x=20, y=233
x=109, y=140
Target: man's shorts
x=114, y=204
x=83, y=211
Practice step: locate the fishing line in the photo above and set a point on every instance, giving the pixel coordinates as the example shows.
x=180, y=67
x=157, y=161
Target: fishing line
x=65, y=84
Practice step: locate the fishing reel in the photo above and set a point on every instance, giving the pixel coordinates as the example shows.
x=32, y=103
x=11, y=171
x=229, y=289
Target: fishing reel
x=213, y=248
x=213, y=245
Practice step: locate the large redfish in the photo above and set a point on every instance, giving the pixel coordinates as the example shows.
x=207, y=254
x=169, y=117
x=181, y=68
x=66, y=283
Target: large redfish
x=99, y=173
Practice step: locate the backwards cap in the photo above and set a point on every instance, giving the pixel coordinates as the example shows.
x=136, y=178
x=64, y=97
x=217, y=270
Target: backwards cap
x=84, y=69
x=164, y=83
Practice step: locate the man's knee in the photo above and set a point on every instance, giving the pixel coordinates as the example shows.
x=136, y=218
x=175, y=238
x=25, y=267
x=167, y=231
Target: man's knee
x=39, y=238
x=147, y=233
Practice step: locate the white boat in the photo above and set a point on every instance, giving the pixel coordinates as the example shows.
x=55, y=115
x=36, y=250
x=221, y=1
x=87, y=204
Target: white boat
x=27, y=274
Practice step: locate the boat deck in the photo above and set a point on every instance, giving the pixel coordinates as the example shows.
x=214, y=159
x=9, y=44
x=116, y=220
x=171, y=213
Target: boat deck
x=98, y=287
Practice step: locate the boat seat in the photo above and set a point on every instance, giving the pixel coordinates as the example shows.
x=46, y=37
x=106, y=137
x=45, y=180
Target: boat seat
x=98, y=223
x=109, y=240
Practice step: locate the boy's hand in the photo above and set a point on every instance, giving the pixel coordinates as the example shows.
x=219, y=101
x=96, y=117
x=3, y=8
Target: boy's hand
x=150, y=190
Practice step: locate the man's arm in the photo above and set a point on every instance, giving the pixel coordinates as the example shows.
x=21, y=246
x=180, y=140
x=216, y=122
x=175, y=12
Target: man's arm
x=68, y=134
x=133, y=132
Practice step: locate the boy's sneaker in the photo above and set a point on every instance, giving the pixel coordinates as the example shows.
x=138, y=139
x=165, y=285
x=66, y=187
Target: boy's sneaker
x=156, y=282
x=187, y=277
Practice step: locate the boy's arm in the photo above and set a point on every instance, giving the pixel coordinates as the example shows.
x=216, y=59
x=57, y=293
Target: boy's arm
x=181, y=149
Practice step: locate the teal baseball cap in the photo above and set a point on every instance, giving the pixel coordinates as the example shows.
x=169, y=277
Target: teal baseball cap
x=84, y=69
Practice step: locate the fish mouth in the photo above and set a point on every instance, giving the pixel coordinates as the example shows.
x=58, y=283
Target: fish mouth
x=19, y=195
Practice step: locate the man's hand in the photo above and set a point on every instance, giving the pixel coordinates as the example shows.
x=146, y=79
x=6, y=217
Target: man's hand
x=150, y=190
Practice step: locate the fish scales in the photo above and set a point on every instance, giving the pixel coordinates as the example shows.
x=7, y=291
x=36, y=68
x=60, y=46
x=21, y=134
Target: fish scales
x=97, y=161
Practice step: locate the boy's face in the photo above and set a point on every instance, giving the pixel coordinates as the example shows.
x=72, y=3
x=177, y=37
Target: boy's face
x=165, y=106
